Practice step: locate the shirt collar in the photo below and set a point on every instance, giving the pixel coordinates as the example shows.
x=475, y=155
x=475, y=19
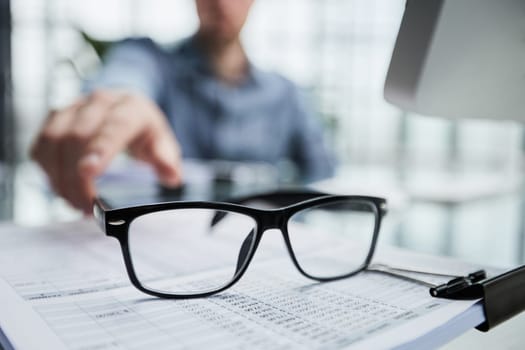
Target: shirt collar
x=200, y=63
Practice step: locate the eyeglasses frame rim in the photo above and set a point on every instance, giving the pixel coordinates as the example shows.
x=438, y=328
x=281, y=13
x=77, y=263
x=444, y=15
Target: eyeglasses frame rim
x=116, y=222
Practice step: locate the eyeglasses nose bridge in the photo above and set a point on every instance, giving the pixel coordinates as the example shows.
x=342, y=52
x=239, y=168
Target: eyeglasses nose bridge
x=275, y=219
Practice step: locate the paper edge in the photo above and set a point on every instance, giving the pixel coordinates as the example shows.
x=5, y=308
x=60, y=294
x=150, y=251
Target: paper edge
x=14, y=309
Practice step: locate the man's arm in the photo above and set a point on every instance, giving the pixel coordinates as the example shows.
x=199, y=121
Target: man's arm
x=77, y=143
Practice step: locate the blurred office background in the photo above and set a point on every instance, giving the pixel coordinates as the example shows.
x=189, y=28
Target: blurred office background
x=337, y=50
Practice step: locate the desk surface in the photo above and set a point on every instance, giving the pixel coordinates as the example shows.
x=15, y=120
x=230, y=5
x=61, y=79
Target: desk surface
x=485, y=226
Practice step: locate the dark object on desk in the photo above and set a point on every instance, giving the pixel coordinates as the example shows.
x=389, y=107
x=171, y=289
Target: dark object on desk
x=503, y=296
x=7, y=134
x=170, y=193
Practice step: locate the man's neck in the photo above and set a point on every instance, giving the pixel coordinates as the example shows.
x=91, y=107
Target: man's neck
x=227, y=58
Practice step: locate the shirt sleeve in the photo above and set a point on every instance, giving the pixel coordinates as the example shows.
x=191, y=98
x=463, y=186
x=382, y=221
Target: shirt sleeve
x=132, y=64
x=309, y=148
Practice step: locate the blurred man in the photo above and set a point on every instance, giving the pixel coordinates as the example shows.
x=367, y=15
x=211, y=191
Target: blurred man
x=202, y=99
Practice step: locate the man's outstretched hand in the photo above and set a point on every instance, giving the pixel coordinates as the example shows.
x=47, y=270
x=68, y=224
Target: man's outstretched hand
x=76, y=144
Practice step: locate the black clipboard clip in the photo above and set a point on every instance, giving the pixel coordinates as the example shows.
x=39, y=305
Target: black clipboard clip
x=503, y=296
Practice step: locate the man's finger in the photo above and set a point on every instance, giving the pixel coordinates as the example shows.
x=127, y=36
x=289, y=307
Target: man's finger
x=90, y=114
x=120, y=127
x=162, y=152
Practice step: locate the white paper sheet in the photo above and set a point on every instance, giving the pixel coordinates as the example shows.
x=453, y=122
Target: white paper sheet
x=65, y=286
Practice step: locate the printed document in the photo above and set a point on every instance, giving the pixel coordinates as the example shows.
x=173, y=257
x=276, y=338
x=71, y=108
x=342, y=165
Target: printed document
x=64, y=286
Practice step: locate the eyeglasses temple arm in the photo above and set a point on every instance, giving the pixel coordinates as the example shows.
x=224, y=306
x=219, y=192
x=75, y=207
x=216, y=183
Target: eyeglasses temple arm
x=279, y=198
x=401, y=273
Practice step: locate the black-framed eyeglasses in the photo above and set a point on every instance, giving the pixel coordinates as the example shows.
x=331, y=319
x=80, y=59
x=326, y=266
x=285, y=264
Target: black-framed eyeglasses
x=192, y=249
